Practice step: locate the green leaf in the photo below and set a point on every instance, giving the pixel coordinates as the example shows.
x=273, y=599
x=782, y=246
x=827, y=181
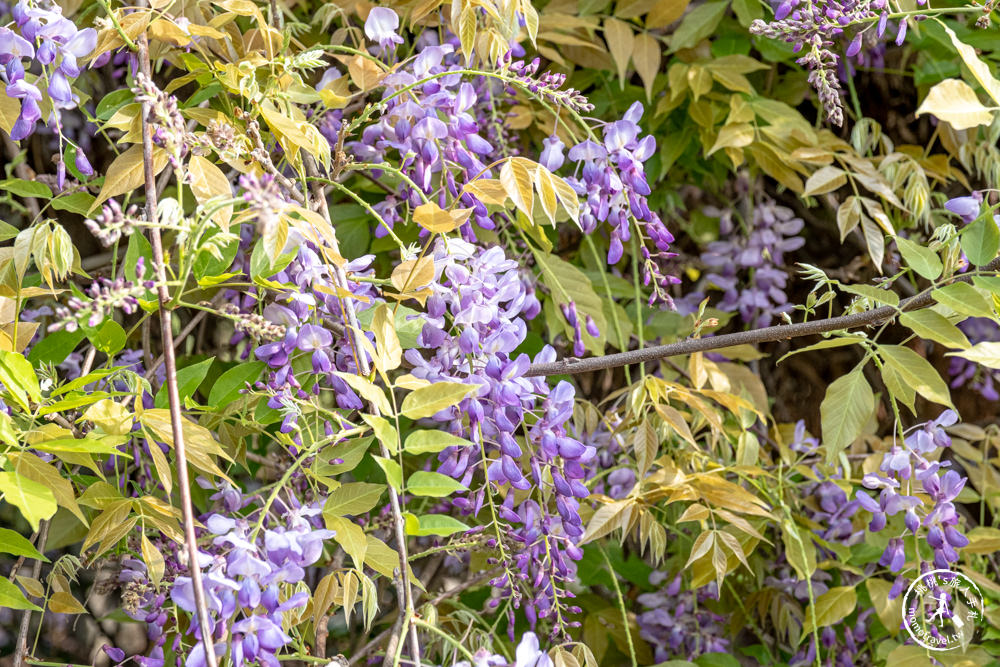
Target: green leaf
x=432, y=484
x=54, y=347
x=873, y=293
x=11, y=597
x=981, y=240
x=421, y=442
x=568, y=284
x=189, y=379
x=919, y=258
x=23, y=188
x=18, y=377
x=393, y=472
x=350, y=536
x=440, y=525
x=349, y=455
x=698, y=24
x=353, y=498
x=229, y=385
x=916, y=372
x=36, y=501
x=428, y=401
x=927, y=323
x=385, y=432
x=12, y=542
x=261, y=266
x=77, y=202
x=963, y=298
x=107, y=444
x=408, y=327
x=112, y=102
x=848, y=404
x=985, y=354
x=110, y=338
x=830, y=608
x=800, y=551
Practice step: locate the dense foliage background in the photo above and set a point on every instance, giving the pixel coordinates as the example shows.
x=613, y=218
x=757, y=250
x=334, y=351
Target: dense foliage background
x=579, y=332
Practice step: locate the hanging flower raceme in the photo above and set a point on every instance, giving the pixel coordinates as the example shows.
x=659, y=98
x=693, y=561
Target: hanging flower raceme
x=46, y=37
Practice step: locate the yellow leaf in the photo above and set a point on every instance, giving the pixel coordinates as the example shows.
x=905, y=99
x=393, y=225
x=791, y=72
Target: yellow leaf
x=516, y=179
x=391, y=353
x=666, y=12
x=979, y=69
x=153, y=559
x=646, y=55
x=435, y=219
x=620, y=39
x=547, y=192
x=126, y=173
x=490, y=191
x=208, y=181
x=167, y=31
x=64, y=603
x=955, y=102
x=10, y=109
x=412, y=274
x=364, y=73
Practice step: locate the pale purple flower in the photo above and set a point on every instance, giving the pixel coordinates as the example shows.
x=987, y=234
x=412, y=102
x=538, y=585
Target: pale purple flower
x=381, y=27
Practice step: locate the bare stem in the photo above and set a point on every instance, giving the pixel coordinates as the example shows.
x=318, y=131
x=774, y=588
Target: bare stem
x=170, y=363
x=873, y=317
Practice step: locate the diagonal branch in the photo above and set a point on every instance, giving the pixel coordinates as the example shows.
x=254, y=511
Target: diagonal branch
x=873, y=317
x=170, y=362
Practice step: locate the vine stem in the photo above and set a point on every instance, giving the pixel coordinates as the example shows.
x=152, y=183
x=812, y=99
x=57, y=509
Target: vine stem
x=872, y=317
x=170, y=364
x=21, y=647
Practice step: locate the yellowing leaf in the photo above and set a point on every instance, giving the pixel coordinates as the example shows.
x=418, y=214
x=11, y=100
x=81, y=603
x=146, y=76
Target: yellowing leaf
x=665, y=12
x=830, y=608
x=490, y=191
x=825, y=179
x=985, y=354
x=364, y=72
x=208, y=181
x=428, y=401
x=413, y=275
x=646, y=56
x=390, y=352
x=35, y=501
x=955, y=102
x=10, y=109
x=515, y=175
x=845, y=409
x=917, y=372
x=979, y=69
x=620, y=39
x=435, y=219
x=125, y=173
x=734, y=135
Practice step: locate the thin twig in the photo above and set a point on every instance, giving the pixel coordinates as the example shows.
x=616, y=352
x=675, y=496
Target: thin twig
x=21, y=647
x=873, y=317
x=176, y=423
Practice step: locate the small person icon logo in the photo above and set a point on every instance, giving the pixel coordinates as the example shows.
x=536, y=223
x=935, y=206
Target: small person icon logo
x=940, y=610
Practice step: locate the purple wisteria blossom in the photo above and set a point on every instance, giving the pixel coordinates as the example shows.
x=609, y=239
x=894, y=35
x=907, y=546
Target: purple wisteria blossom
x=902, y=469
x=749, y=267
x=56, y=44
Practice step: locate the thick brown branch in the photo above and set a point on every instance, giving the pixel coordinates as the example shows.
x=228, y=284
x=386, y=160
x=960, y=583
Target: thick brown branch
x=877, y=316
